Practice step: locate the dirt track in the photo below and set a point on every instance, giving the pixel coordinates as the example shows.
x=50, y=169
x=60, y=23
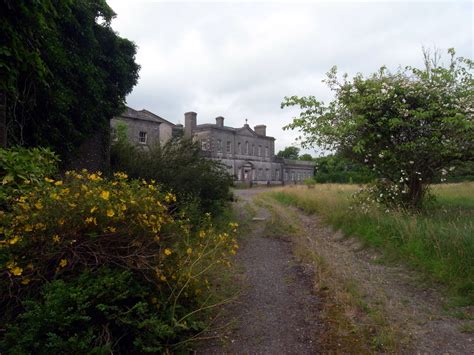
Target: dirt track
x=279, y=312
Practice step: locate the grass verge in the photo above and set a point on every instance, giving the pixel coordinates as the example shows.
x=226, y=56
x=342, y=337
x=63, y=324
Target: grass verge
x=439, y=242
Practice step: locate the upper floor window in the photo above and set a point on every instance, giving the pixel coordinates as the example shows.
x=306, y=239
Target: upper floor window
x=219, y=145
x=228, y=147
x=247, y=148
x=259, y=150
x=239, y=148
x=142, y=137
x=266, y=152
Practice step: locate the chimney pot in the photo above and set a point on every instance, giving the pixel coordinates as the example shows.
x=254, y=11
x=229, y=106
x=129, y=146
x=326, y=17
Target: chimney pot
x=220, y=121
x=261, y=130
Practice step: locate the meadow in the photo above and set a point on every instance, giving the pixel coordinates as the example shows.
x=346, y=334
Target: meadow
x=439, y=241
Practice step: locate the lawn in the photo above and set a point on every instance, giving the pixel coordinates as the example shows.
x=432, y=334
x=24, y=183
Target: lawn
x=439, y=242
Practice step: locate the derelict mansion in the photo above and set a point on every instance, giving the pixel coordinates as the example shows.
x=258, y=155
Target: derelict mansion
x=248, y=154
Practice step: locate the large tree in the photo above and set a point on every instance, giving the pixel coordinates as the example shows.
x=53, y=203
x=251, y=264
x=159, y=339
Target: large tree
x=289, y=153
x=64, y=70
x=409, y=127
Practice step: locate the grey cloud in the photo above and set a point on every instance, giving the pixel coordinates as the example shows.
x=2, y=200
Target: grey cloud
x=240, y=59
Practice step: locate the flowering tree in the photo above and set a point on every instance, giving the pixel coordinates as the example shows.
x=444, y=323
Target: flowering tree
x=409, y=127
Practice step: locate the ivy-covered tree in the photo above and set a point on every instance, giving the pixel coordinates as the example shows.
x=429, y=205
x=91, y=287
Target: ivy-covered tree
x=409, y=127
x=64, y=71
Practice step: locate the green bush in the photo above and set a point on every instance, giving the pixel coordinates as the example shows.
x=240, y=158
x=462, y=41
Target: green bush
x=22, y=168
x=103, y=265
x=180, y=167
x=336, y=169
x=89, y=313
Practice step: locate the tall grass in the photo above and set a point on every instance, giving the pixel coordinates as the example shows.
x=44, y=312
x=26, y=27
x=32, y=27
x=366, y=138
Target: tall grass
x=439, y=241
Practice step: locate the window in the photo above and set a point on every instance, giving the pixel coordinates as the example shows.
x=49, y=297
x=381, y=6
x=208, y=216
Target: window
x=266, y=152
x=247, y=148
x=253, y=152
x=239, y=148
x=203, y=145
x=228, y=147
x=113, y=134
x=277, y=174
x=259, y=150
x=142, y=137
x=219, y=145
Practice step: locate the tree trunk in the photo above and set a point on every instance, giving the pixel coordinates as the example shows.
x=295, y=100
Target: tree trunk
x=416, y=192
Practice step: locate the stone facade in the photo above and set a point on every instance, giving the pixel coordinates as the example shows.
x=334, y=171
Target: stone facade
x=248, y=154
x=144, y=128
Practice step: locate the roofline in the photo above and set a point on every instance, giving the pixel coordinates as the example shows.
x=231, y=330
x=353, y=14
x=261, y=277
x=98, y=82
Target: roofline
x=154, y=114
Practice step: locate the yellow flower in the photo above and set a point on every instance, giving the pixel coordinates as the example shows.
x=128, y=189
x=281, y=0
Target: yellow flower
x=189, y=251
x=94, y=177
x=28, y=228
x=91, y=220
x=65, y=191
x=121, y=175
x=123, y=207
x=54, y=196
x=202, y=234
x=170, y=198
x=111, y=229
x=48, y=179
x=17, y=271
x=14, y=240
x=56, y=238
x=105, y=195
x=110, y=213
x=25, y=281
x=93, y=209
x=61, y=221
x=38, y=205
x=58, y=183
x=63, y=263
x=167, y=251
x=163, y=278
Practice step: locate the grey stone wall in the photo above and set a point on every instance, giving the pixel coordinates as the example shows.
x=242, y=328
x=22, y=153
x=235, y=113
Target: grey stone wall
x=135, y=126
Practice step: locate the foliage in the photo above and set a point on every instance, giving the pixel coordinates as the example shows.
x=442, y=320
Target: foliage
x=64, y=70
x=409, y=127
x=337, y=169
x=90, y=263
x=21, y=169
x=289, y=153
x=180, y=167
x=438, y=242
x=306, y=157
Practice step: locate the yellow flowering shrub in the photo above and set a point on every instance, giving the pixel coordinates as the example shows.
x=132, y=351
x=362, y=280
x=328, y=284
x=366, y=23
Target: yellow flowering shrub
x=86, y=222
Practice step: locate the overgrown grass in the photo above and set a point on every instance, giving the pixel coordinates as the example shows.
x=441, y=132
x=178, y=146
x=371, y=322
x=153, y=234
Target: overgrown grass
x=439, y=241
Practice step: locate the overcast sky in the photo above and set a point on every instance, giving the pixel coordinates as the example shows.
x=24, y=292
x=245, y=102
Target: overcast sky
x=239, y=59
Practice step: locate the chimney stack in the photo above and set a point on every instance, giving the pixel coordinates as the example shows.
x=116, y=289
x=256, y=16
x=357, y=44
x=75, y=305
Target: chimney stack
x=220, y=121
x=190, y=123
x=261, y=130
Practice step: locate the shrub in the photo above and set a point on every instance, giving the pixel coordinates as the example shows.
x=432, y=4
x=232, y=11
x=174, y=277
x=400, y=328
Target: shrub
x=22, y=168
x=180, y=167
x=103, y=255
